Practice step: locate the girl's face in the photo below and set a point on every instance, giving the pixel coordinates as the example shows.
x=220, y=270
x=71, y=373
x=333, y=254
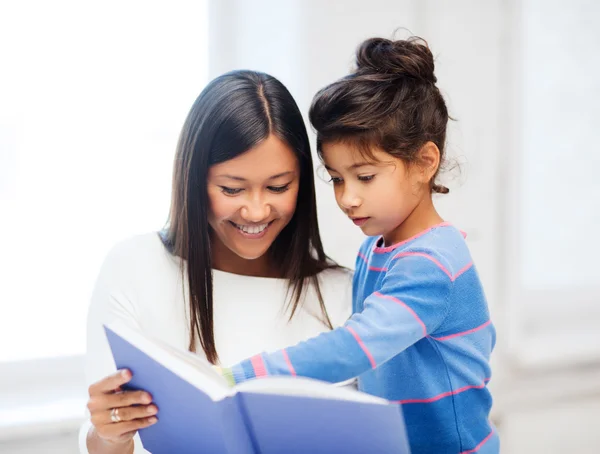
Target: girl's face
x=378, y=194
x=253, y=197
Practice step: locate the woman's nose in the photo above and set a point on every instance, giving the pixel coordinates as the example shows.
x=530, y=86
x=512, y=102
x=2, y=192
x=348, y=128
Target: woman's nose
x=256, y=210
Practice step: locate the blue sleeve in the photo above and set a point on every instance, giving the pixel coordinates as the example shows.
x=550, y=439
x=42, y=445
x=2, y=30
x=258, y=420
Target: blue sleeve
x=411, y=303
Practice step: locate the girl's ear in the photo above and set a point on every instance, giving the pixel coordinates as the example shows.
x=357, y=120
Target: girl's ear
x=428, y=158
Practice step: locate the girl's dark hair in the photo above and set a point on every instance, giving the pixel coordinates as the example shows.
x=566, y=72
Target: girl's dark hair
x=390, y=101
x=234, y=113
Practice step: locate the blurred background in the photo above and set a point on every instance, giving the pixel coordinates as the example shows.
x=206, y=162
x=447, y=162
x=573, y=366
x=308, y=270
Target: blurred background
x=92, y=97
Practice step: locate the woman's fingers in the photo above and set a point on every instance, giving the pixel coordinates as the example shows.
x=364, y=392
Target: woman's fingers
x=116, y=431
x=118, y=400
x=124, y=414
x=133, y=410
x=111, y=383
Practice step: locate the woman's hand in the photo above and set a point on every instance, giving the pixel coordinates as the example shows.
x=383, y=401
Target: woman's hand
x=117, y=415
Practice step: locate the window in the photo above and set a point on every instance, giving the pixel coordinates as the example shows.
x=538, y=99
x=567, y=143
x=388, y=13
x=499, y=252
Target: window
x=554, y=210
x=94, y=95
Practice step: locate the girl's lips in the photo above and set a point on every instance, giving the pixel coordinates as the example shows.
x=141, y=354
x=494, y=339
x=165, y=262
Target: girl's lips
x=360, y=221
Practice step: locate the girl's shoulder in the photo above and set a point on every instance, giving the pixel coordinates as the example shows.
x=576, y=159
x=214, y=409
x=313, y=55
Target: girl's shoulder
x=442, y=247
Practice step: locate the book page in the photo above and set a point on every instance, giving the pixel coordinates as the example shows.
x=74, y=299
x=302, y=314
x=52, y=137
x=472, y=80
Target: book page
x=192, y=368
x=200, y=373
x=195, y=361
x=306, y=387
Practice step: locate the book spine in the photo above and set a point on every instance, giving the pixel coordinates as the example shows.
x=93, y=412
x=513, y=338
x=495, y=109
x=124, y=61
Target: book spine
x=238, y=437
x=241, y=406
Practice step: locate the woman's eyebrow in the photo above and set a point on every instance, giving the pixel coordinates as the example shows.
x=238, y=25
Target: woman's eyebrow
x=282, y=174
x=237, y=178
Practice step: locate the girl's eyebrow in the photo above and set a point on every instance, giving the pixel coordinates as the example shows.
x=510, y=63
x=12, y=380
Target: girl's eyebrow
x=356, y=165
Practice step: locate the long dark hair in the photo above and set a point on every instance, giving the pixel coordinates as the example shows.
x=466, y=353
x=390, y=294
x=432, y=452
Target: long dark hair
x=234, y=113
x=390, y=101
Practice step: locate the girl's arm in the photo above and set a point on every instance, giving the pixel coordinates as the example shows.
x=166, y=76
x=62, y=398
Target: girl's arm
x=411, y=304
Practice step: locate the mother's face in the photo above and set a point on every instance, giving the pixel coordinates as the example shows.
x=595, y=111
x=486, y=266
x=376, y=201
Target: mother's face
x=253, y=197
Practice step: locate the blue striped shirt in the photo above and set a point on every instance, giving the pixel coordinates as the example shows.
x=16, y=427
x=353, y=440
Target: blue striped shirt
x=420, y=335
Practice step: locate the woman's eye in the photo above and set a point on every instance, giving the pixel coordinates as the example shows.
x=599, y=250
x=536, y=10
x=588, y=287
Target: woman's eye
x=230, y=191
x=279, y=189
x=335, y=180
x=366, y=177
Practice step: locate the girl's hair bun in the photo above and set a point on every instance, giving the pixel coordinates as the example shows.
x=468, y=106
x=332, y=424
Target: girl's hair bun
x=409, y=58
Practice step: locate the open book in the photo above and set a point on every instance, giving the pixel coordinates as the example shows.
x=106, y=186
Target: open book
x=198, y=412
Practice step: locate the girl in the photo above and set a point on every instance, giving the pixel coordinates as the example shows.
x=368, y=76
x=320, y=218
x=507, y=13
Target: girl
x=421, y=333
x=242, y=232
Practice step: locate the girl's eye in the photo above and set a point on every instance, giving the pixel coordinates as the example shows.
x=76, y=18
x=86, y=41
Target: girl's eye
x=335, y=180
x=231, y=191
x=279, y=189
x=366, y=177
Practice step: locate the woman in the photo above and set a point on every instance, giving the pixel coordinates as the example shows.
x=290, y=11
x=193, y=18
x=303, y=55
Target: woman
x=240, y=267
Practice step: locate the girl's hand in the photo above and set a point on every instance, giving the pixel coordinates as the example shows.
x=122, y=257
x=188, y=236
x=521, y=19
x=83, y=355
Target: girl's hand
x=226, y=373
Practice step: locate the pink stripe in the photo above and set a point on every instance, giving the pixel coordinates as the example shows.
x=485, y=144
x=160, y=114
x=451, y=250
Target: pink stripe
x=363, y=346
x=421, y=254
x=259, y=366
x=372, y=268
x=434, y=260
x=446, y=394
x=413, y=313
x=289, y=363
x=462, y=270
x=478, y=447
x=463, y=333
x=383, y=250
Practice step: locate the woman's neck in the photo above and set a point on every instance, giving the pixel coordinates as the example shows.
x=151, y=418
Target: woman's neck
x=224, y=259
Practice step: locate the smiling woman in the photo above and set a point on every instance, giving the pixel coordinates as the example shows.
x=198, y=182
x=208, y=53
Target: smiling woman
x=239, y=268
x=252, y=197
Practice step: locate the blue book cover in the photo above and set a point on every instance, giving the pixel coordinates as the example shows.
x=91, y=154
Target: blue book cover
x=198, y=412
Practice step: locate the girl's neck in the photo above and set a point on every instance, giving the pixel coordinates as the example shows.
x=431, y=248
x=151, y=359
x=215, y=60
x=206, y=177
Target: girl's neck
x=224, y=259
x=423, y=217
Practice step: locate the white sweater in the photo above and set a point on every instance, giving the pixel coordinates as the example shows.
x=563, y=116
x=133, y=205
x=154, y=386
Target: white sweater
x=141, y=283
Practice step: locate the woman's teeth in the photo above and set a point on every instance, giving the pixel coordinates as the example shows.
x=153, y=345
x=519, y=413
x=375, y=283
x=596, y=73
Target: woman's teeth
x=252, y=229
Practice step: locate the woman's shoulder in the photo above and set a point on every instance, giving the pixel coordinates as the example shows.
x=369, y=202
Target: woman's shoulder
x=137, y=277
x=142, y=255
x=335, y=285
x=138, y=249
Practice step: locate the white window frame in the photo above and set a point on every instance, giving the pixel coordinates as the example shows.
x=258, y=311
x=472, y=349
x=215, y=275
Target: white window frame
x=41, y=397
x=47, y=395
x=546, y=329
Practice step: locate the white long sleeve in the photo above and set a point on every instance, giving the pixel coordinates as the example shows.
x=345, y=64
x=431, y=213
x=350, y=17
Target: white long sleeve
x=140, y=283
